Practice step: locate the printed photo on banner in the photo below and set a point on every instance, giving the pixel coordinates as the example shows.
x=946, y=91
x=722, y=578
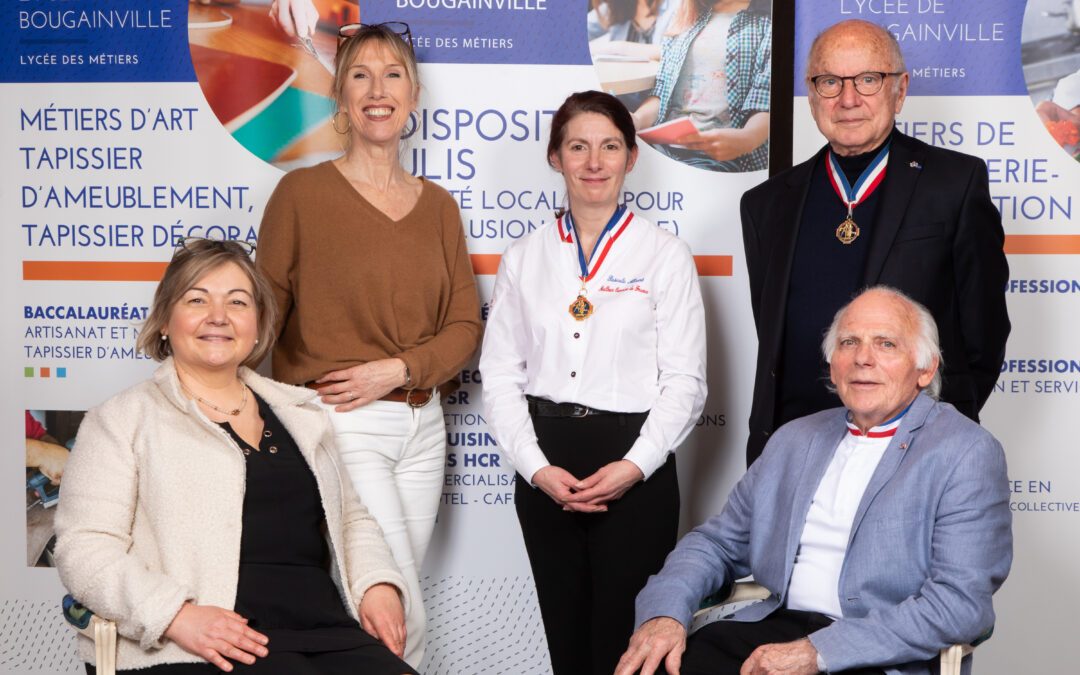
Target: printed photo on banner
x=695, y=73
x=267, y=70
x=49, y=437
x=1051, y=56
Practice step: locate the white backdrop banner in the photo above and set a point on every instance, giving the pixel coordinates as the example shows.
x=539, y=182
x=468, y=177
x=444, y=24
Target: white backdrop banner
x=131, y=123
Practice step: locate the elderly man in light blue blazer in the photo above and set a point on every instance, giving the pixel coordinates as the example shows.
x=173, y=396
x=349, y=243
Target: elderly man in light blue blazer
x=882, y=528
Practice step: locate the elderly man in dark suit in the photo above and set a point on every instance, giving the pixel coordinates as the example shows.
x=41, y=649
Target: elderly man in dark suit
x=872, y=207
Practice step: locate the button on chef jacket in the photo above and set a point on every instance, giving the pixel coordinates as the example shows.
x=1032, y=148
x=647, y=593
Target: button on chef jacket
x=643, y=348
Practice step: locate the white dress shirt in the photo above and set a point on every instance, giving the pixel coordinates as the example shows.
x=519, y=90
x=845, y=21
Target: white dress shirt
x=815, y=578
x=643, y=348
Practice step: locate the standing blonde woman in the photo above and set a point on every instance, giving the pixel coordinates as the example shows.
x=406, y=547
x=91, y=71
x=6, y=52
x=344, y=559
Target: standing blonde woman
x=377, y=301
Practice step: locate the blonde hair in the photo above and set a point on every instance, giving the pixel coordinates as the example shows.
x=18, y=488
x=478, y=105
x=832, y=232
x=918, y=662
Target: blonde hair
x=396, y=44
x=194, y=260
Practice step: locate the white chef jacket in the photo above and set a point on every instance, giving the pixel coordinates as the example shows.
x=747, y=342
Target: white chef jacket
x=643, y=348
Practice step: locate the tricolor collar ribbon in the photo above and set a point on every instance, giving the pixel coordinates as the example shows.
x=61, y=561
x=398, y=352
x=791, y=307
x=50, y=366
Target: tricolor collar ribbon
x=612, y=231
x=871, y=177
x=883, y=430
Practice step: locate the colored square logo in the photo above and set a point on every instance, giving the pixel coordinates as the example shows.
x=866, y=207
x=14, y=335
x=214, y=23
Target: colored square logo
x=45, y=372
x=28, y=371
x=61, y=372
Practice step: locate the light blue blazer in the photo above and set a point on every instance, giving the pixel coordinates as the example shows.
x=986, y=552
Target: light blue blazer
x=931, y=540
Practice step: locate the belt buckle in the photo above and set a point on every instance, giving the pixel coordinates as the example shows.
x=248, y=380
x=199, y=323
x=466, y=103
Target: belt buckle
x=580, y=411
x=419, y=403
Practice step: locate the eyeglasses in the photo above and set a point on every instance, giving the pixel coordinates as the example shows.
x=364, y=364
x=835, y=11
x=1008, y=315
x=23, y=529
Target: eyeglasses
x=351, y=30
x=200, y=244
x=867, y=84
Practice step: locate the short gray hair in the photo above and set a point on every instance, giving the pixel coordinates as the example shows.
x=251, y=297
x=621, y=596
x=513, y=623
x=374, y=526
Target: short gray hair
x=927, y=344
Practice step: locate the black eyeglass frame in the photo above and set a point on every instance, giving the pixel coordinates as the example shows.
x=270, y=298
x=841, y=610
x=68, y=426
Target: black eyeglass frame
x=246, y=247
x=351, y=30
x=854, y=82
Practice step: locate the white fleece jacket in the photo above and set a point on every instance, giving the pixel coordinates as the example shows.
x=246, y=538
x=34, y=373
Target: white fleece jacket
x=151, y=504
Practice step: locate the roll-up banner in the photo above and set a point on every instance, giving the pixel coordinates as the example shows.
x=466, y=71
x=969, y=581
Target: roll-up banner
x=130, y=124
x=1000, y=79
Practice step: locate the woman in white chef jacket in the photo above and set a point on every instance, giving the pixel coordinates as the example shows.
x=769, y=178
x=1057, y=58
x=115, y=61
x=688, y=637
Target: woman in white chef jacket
x=593, y=368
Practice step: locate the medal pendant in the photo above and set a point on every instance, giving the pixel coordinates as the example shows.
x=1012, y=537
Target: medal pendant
x=581, y=308
x=847, y=231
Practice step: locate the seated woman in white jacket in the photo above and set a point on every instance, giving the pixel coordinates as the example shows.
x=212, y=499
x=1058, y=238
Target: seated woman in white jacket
x=205, y=511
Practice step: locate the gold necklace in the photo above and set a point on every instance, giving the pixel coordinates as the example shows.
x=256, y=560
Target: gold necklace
x=223, y=411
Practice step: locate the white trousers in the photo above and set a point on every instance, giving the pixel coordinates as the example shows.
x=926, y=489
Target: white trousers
x=395, y=455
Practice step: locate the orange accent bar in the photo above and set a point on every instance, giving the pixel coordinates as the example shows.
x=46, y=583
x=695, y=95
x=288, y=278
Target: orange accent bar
x=485, y=263
x=713, y=265
x=707, y=265
x=1042, y=243
x=82, y=270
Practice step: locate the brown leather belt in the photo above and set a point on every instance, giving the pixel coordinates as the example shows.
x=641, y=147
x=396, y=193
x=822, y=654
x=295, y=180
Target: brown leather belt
x=416, y=398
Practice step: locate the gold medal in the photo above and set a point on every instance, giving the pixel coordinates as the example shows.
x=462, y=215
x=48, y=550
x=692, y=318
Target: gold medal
x=847, y=231
x=853, y=195
x=581, y=308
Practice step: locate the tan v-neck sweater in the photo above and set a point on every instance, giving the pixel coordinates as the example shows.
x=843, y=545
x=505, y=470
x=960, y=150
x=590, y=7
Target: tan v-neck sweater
x=353, y=286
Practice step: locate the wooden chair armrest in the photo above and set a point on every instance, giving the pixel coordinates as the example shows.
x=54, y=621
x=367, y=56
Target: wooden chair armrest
x=101, y=631
x=104, y=645
x=745, y=591
x=742, y=591
x=951, y=658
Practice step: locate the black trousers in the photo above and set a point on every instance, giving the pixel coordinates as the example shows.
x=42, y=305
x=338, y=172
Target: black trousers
x=369, y=659
x=720, y=648
x=589, y=567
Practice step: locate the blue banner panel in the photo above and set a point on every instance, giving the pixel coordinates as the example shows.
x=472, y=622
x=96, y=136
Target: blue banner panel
x=952, y=48
x=88, y=41
x=490, y=31
x=147, y=41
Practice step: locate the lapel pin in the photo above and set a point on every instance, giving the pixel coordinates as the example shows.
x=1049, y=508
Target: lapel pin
x=903, y=446
x=915, y=165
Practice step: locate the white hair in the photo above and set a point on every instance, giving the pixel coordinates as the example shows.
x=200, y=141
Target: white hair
x=927, y=344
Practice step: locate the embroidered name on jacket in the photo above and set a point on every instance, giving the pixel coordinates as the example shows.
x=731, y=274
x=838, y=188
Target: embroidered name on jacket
x=614, y=284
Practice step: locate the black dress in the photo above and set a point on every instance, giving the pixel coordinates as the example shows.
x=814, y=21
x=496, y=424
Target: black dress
x=284, y=588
